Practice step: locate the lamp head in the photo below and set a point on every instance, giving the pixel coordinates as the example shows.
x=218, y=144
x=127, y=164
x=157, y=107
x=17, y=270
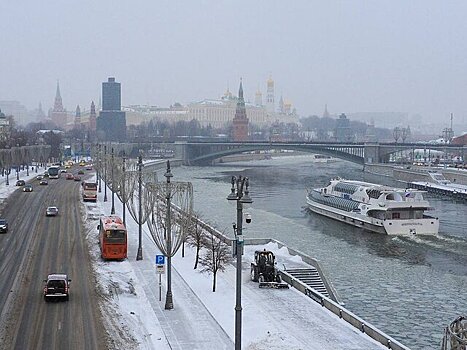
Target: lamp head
x=233, y=195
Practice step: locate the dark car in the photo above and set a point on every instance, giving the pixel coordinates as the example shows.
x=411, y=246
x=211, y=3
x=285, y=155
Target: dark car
x=20, y=183
x=77, y=178
x=27, y=188
x=43, y=182
x=3, y=226
x=80, y=172
x=57, y=287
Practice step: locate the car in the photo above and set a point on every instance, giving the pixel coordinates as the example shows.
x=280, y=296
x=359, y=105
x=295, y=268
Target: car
x=3, y=226
x=69, y=176
x=80, y=172
x=62, y=171
x=51, y=211
x=89, y=167
x=20, y=183
x=39, y=177
x=77, y=178
x=57, y=287
x=43, y=182
x=27, y=188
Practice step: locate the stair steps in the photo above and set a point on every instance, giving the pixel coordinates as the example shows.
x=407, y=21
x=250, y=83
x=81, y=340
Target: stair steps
x=310, y=277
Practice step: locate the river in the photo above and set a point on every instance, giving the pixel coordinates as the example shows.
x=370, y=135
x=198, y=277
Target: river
x=409, y=287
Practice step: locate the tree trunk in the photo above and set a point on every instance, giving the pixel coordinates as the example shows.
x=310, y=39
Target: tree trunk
x=214, y=282
x=197, y=256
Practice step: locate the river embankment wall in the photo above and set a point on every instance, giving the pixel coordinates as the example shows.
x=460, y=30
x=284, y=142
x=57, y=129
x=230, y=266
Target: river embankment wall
x=416, y=173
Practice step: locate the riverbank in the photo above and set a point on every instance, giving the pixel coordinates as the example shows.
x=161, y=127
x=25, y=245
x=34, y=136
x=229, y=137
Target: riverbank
x=416, y=173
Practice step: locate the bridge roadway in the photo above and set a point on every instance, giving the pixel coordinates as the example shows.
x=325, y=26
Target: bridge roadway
x=204, y=152
x=35, y=246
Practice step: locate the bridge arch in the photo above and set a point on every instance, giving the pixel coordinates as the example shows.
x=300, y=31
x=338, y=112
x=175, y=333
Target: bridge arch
x=203, y=154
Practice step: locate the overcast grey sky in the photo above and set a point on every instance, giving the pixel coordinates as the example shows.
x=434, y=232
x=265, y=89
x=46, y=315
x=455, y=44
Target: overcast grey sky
x=356, y=56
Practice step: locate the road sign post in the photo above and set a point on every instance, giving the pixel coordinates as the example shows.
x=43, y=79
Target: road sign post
x=160, y=270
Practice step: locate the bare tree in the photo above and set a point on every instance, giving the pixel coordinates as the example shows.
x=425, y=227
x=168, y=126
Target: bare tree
x=215, y=258
x=196, y=237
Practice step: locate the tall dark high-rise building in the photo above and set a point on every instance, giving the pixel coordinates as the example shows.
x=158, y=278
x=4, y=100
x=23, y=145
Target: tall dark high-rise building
x=111, y=123
x=111, y=95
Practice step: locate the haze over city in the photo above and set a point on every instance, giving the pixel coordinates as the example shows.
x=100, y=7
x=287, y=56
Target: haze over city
x=359, y=56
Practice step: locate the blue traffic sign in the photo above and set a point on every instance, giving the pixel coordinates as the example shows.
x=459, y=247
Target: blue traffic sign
x=160, y=259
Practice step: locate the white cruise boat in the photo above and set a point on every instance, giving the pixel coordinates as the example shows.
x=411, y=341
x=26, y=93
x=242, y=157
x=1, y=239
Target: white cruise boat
x=373, y=207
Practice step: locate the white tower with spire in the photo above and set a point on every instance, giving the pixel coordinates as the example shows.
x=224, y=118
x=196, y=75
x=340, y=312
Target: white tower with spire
x=270, y=96
x=258, y=98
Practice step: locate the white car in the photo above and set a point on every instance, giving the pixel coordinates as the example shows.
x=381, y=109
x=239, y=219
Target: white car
x=51, y=211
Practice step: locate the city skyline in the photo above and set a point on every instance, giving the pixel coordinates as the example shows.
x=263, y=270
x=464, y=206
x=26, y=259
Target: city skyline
x=353, y=56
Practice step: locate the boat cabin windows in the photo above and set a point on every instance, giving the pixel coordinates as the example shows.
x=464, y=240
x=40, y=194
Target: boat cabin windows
x=372, y=193
x=377, y=214
x=404, y=214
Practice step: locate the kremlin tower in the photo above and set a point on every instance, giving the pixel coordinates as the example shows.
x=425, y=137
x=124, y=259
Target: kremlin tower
x=92, y=118
x=240, y=121
x=78, y=118
x=58, y=114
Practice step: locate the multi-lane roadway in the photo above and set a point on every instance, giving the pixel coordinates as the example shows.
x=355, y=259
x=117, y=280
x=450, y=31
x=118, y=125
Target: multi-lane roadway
x=34, y=247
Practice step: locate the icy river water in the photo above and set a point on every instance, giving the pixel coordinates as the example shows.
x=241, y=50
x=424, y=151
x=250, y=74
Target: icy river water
x=409, y=287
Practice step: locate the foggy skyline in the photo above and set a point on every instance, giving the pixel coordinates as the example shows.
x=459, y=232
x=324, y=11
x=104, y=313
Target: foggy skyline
x=356, y=56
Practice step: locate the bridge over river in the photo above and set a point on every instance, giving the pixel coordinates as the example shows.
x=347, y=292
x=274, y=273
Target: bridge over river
x=204, y=153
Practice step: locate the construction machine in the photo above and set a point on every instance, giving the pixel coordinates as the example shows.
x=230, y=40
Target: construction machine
x=264, y=271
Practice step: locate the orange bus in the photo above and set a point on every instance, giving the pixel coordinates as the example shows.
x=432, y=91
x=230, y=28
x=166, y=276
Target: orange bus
x=89, y=191
x=112, y=238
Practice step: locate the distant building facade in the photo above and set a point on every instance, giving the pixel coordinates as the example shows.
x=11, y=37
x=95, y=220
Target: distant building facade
x=343, y=132
x=111, y=123
x=15, y=109
x=460, y=140
x=4, y=127
x=217, y=113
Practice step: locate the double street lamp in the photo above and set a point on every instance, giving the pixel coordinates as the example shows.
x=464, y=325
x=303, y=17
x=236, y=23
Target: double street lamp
x=239, y=193
x=105, y=173
x=112, y=211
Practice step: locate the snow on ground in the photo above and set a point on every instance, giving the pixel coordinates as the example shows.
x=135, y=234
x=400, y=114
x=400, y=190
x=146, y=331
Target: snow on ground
x=201, y=319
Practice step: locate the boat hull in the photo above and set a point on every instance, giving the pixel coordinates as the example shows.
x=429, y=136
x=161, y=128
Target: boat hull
x=426, y=226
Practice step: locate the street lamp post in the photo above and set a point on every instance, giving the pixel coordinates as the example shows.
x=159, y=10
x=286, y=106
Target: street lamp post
x=105, y=173
x=239, y=193
x=123, y=187
x=169, y=297
x=139, y=255
x=112, y=211
x=99, y=175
